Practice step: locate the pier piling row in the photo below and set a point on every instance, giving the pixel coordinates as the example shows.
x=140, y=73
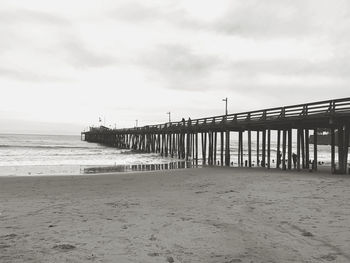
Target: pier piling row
x=181, y=139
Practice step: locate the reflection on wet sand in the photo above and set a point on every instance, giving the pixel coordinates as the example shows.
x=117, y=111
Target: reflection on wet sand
x=140, y=167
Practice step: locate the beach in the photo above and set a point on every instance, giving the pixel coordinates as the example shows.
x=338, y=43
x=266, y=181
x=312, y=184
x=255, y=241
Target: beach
x=210, y=214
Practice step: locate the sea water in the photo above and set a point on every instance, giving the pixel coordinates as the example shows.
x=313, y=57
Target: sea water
x=22, y=154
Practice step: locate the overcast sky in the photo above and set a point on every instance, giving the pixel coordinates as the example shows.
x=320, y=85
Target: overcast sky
x=63, y=64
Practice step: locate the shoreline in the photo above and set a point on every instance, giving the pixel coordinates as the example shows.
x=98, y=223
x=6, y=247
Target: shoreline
x=81, y=170
x=212, y=214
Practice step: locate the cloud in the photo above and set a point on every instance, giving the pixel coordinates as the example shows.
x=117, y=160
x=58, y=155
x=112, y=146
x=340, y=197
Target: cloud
x=32, y=16
x=80, y=56
x=25, y=75
x=336, y=67
x=136, y=12
x=179, y=66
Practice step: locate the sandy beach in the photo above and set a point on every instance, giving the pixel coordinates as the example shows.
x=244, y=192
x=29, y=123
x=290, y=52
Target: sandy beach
x=208, y=214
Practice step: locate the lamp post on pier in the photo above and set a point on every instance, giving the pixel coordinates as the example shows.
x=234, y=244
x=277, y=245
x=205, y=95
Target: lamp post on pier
x=225, y=105
x=169, y=113
x=136, y=123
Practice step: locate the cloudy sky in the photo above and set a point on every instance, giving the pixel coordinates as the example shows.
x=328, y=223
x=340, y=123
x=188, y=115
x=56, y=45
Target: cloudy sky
x=63, y=64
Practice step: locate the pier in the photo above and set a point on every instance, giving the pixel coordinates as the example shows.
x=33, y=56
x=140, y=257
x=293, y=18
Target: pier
x=181, y=139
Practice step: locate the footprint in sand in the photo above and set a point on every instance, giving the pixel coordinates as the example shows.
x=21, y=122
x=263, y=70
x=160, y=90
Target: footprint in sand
x=64, y=247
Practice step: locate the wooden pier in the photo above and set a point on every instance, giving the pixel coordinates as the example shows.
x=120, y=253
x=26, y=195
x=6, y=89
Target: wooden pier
x=181, y=139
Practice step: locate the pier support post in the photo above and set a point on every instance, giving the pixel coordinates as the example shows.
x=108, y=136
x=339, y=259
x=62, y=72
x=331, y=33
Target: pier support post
x=315, y=150
x=284, y=139
x=332, y=150
x=196, y=145
x=278, y=151
x=298, y=148
x=302, y=144
x=215, y=145
x=249, y=148
x=227, y=150
x=222, y=148
x=240, y=148
x=307, y=152
x=340, y=149
x=346, y=147
x=289, y=149
x=268, y=148
x=204, y=147
x=263, y=156
x=257, y=148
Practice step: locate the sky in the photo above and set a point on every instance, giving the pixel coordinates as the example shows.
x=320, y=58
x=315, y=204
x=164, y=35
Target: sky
x=65, y=64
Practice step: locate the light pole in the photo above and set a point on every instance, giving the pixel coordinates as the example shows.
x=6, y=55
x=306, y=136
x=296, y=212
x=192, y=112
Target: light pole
x=169, y=113
x=225, y=105
x=136, y=123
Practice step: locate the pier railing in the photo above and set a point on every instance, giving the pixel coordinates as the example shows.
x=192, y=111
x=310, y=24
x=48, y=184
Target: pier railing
x=325, y=108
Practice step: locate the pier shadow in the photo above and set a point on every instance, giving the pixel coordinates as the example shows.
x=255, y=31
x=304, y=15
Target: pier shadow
x=140, y=167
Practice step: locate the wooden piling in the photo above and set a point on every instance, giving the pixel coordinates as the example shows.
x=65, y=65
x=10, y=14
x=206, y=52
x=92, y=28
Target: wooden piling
x=315, y=150
x=263, y=150
x=227, y=150
x=340, y=148
x=278, y=150
x=284, y=139
x=222, y=148
x=196, y=145
x=215, y=145
x=249, y=148
x=302, y=145
x=298, y=148
x=346, y=148
x=307, y=152
x=204, y=146
x=290, y=149
x=257, y=148
x=332, y=150
x=268, y=148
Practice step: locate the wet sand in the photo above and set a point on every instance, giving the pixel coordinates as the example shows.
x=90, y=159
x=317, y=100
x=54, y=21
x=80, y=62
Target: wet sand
x=221, y=215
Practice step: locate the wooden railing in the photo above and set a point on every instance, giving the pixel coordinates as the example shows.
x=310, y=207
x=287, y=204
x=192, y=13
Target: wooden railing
x=300, y=111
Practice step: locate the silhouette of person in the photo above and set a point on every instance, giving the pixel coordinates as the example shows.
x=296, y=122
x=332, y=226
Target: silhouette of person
x=294, y=157
x=279, y=156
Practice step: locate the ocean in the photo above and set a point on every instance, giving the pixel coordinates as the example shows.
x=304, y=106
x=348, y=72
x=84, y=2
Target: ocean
x=26, y=155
